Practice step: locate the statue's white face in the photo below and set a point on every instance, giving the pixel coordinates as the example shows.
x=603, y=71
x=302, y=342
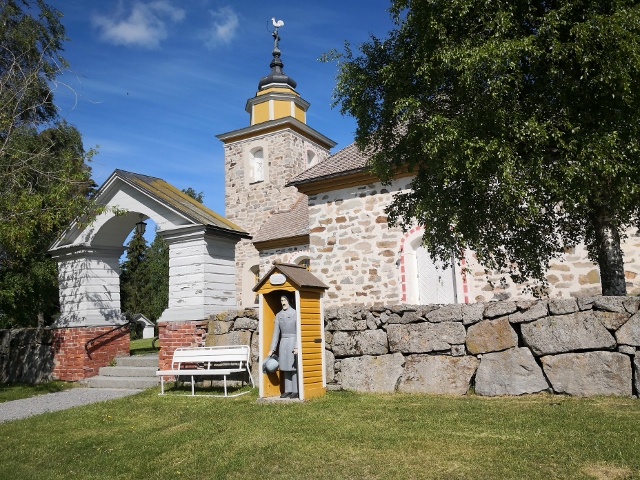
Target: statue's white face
x=285, y=303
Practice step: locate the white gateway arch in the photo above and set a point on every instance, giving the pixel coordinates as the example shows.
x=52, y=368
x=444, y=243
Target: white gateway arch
x=201, y=253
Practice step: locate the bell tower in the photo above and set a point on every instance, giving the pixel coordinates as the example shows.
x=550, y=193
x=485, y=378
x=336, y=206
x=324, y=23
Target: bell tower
x=261, y=159
x=276, y=97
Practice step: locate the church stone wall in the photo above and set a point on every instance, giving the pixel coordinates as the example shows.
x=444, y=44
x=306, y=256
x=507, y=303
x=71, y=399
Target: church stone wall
x=356, y=253
x=282, y=255
x=248, y=204
x=352, y=248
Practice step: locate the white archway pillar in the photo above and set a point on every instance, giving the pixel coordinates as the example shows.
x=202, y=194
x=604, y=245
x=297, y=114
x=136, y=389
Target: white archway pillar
x=201, y=273
x=89, y=286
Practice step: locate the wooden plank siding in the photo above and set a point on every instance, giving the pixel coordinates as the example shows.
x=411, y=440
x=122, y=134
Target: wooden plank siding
x=311, y=328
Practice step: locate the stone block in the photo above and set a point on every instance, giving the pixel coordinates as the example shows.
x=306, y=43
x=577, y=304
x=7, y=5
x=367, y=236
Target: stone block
x=410, y=317
x=627, y=349
x=629, y=333
x=400, y=309
x=535, y=311
x=612, y=320
x=472, y=313
x=372, y=374
x=566, y=333
x=632, y=304
x=511, y=372
x=446, y=313
x=438, y=374
x=245, y=323
x=240, y=337
x=592, y=277
x=425, y=337
x=610, y=304
x=219, y=327
x=586, y=303
x=499, y=309
x=563, y=306
x=589, y=373
x=347, y=325
x=458, y=350
x=491, y=336
x=329, y=366
x=368, y=342
x=393, y=318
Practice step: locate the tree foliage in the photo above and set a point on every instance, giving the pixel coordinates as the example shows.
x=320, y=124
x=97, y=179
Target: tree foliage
x=144, y=275
x=520, y=121
x=45, y=182
x=132, y=276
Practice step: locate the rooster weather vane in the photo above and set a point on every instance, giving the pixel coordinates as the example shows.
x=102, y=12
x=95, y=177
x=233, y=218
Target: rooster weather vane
x=276, y=38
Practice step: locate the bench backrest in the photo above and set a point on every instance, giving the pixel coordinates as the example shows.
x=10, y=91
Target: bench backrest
x=212, y=355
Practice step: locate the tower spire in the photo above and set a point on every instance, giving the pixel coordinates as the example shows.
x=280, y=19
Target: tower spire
x=276, y=76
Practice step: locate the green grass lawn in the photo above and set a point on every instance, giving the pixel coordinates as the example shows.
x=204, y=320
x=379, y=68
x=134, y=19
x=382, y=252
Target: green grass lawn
x=16, y=391
x=340, y=436
x=143, y=346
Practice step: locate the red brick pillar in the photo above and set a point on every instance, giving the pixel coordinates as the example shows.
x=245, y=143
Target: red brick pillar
x=179, y=334
x=72, y=361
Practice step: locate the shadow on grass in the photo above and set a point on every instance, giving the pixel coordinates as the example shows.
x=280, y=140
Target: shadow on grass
x=203, y=389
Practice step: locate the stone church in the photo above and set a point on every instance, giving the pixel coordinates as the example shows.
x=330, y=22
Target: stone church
x=302, y=204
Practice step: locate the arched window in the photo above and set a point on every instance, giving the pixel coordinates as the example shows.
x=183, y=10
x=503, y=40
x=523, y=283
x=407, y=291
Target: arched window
x=256, y=165
x=304, y=262
x=312, y=158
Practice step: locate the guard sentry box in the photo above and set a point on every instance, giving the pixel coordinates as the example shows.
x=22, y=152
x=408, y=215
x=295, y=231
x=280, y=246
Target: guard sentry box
x=305, y=291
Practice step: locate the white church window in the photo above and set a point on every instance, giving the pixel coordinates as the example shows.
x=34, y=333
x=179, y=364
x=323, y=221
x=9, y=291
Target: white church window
x=312, y=158
x=256, y=165
x=436, y=283
x=427, y=282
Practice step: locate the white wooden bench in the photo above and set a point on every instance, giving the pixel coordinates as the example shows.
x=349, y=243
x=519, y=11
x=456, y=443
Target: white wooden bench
x=209, y=361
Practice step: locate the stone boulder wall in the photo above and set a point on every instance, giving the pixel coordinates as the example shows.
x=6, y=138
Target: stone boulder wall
x=577, y=346
x=26, y=355
x=497, y=348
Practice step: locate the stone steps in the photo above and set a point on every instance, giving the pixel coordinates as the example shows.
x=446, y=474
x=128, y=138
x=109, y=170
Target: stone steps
x=129, y=372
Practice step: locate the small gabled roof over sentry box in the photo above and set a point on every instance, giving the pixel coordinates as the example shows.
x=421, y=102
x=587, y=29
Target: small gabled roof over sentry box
x=296, y=276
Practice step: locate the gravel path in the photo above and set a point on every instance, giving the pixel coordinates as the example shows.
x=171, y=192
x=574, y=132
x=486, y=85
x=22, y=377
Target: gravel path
x=52, y=402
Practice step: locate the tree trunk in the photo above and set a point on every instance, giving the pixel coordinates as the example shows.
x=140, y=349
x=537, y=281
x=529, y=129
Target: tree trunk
x=609, y=254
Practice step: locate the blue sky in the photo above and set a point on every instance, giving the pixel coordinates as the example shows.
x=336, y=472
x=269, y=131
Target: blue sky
x=153, y=81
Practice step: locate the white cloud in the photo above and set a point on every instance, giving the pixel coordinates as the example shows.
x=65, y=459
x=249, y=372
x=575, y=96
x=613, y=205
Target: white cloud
x=223, y=28
x=145, y=26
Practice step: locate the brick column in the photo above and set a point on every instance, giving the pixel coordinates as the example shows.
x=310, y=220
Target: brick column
x=73, y=362
x=179, y=334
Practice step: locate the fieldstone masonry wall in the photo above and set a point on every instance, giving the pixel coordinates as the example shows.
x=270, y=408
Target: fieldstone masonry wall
x=362, y=260
x=26, y=355
x=578, y=346
x=352, y=249
x=249, y=204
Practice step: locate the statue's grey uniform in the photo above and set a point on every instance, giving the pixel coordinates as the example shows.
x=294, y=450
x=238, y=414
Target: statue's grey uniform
x=285, y=330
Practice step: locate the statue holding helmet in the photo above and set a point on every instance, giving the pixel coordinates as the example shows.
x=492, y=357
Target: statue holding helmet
x=285, y=336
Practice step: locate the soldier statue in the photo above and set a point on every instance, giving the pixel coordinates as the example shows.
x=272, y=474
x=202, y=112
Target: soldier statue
x=285, y=330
